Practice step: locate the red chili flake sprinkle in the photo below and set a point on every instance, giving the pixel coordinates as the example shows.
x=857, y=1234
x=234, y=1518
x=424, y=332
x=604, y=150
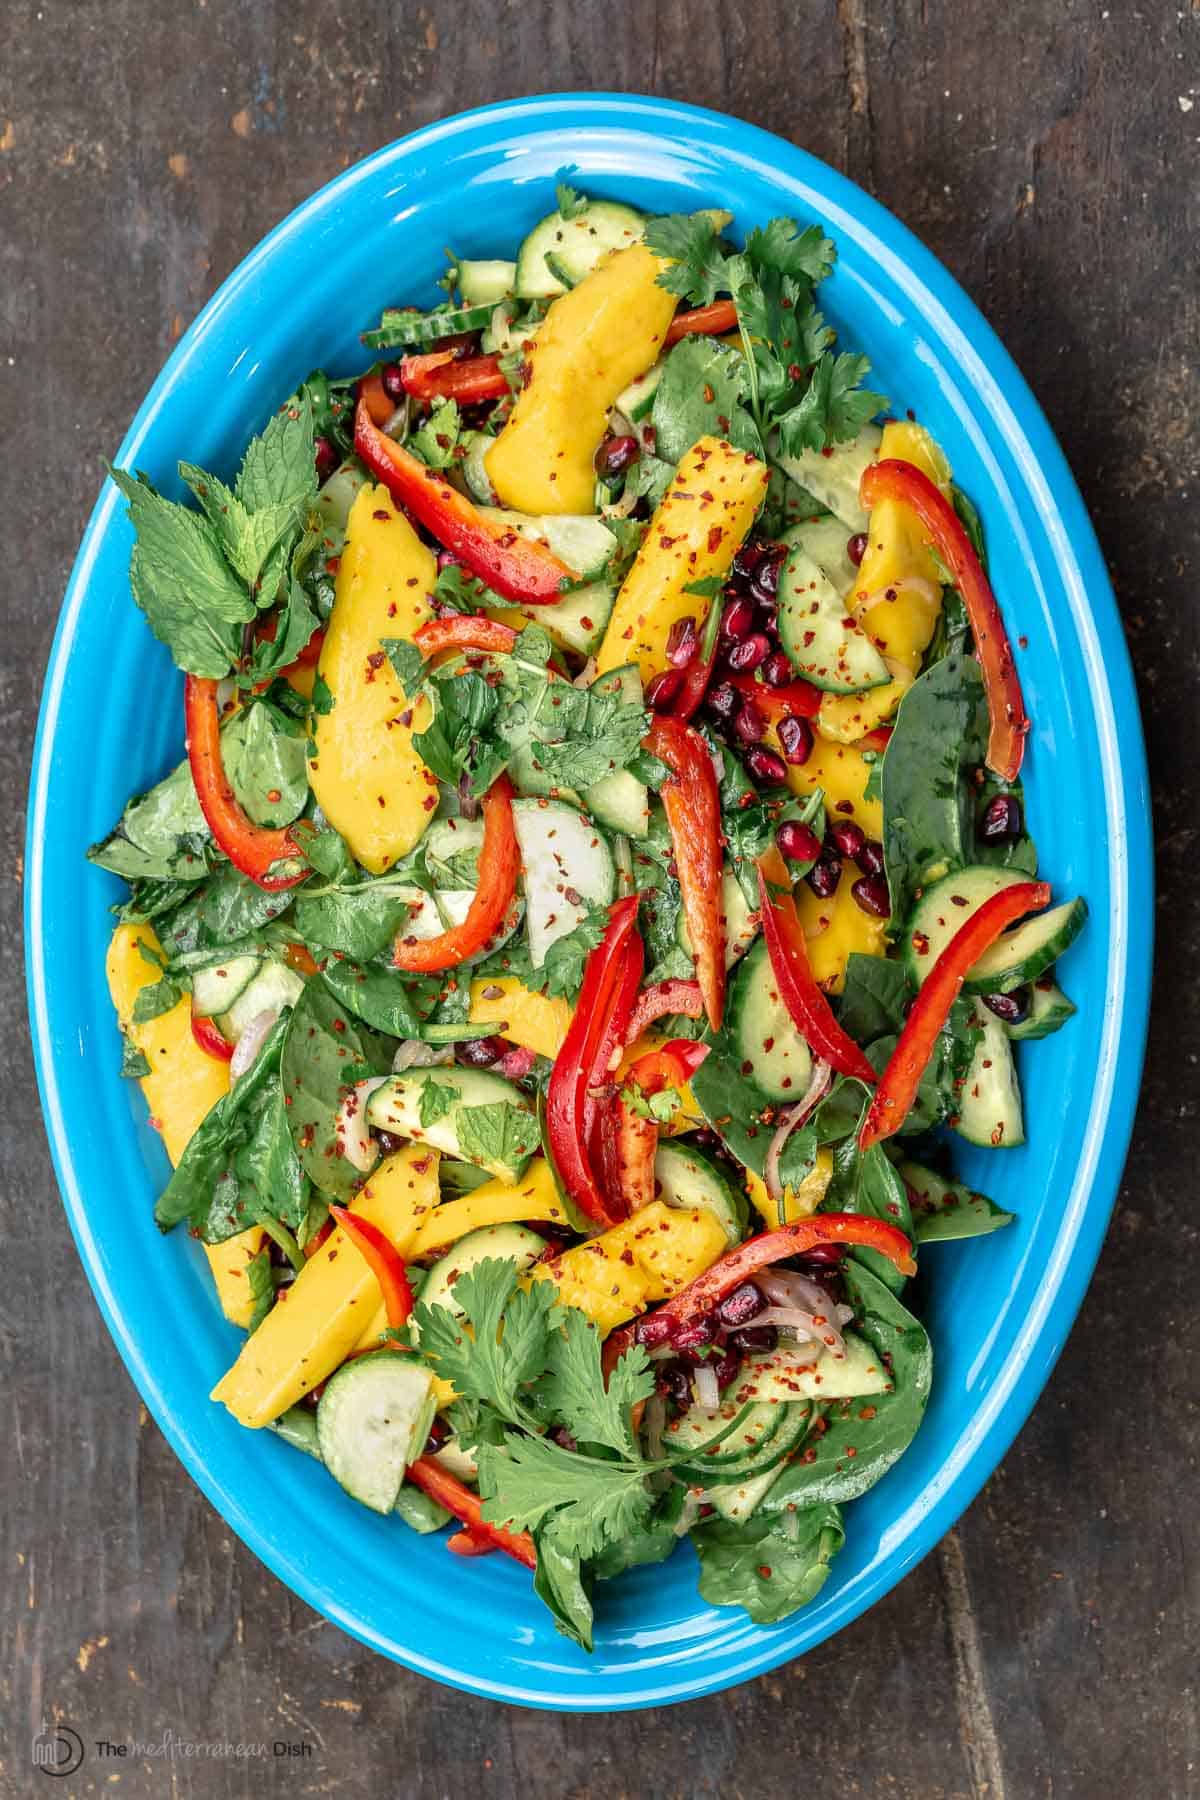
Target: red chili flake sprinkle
x=379, y=513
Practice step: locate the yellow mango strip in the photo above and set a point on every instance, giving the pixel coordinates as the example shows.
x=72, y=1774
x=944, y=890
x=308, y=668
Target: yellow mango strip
x=835, y=927
x=318, y=1320
x=532, y=1020
x=644, y=1259
x=713, y=500
x=897, y=597
x=688, y=1114
x=368, y=779
x=798, y=1203
x=592, y=343
x=184, y=1083
x=842, y=773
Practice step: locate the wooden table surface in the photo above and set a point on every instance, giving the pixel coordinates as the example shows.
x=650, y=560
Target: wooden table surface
x=1048, y=151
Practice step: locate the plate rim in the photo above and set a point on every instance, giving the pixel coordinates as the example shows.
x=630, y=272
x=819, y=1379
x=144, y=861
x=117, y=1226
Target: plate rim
x=1097, y=624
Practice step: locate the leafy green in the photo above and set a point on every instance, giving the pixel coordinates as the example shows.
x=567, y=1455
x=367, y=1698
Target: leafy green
x=944, y=1209
x=875, y=997
x=510, y=1340
x=769, y=1566
x=834, y=407
x=325, y=1051
x=866, y=1182
x=939, y=1091
x=696, y=271
x=407, y=661
x=593, y=1502
x=382, y=998
x=939, y=738
x=435, y=440
x=563, y=1583
x=575, y=1390
x=501, y=1133
x=732, y=1103
x=702, y=391
x=162, y=834
x=458, y=739
x=231, y=907
x=356, y=916
x=418, y=1511
x=263, y=752
x=154, y=1000
x=570, y=203
x=457, y=587
x=278, y=469
x=563, y=965
x=268, y=1164
x=434, y=1100
x=134, y=1063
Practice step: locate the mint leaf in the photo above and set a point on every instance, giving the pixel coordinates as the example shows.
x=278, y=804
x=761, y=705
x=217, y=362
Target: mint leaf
x=696, y=270
x=407, y=661
x=575, y=1389
x=500, y=1133
x=435, y=1100
x=193, y=601
x=563, y=966
x=134, y=1063
x=569, y=202
x=279, y=469
x=155, y=1000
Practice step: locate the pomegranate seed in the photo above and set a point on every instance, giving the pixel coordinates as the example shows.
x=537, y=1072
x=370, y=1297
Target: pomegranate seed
x=765, y=583
x=744, y=1303
x=795, y=740
x=737, y=619
x=822, y=1256
x=777, y=670
x=870, y=858
x=1012, y=1008
x=856, y=549
x=664, y=689
x=748, y=558
x=446, y=559
x=653, y=1329
x=799, y=843
x=723, y=701
x=824, y=876
x=1001, y=821
x=682, y=643
x=749, y=726
x=764, y=765
x=692, y=1340
x=749, y=652
x=388, y=1142
x=848, y=838
x=615, y=455
x=753, y=1337
x=326, y=458
x=727, y=1369
x=870, y=892
x=393, y=382
x=481, y=1053
x=675, y=1381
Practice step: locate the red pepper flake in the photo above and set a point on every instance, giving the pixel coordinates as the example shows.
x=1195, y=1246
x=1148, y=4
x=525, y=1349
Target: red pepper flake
x=382, y=515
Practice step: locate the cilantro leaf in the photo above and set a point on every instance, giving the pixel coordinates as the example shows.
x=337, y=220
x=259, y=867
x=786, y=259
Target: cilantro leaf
x=436, y=439
x=594, y=1503
x=575, y=1389
x=454, y=742
x=500, y=1133
x=696, y=270
x=834, y=408
x=193, y=601
x=569, y=202
x=563, y=964
x=806, y=255
x=702, y=391
x=597, y=730
x=506, y=1346
x=435, y=1100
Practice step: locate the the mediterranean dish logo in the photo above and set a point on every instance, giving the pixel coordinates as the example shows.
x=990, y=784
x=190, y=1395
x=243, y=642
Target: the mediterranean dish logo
x=58, y=1749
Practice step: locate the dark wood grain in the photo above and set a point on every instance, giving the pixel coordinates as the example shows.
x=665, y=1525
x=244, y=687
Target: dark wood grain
x=1048, y=151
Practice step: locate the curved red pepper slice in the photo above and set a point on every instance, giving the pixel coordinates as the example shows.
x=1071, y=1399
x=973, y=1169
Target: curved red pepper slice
x=693, y=808
x=517, y=567
x=499, y=866
x=900, y=1079
x=712, y=321
x=210, y=1040
x=796, y=700
x=462, y=1543
x=808, y=1009
x=464, y=633
x=429, y=1475
x=661, y=1000
x=628, y=1140
x=374, y=396
x=896, y=480
x=383, y=1259
x=441, y=375
x=599, y=1022
x=251, y=848
x=879, y=739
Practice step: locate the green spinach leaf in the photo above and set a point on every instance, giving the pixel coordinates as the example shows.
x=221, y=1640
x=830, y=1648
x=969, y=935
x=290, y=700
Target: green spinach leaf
x=928, y=799
x=769, y=1566
x=325, y=1051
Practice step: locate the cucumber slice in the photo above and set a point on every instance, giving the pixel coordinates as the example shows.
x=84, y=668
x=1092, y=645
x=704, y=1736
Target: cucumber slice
x=579, y=620
x=568, y=865
x=827, y=541
x=1026, y=951
x=503, y=332
x=620, y=801
x=767, y=1043
x=989, y=1109
x=215, y=988
x=736, y=1501
x=501, y=1243
x=576, y=244
x=944, y=1210
x=460, y=1462
x=740, y=924
x=762, y=1448
x=1048, y=1009
x=484, y=283
x=636, y=400
x=581, y=541
x=474, y=468
x=372, y=1421
x=767, y=1376
x=823, y=642
x=447, y=843
x=298, y=1427
x=402, y=328
x=396, y=1107
x=944, y=907
x=335, y=499
x=832, y=476
x=272, y=988
x=433, y=914
x=684, y=1179
x=691, y=1433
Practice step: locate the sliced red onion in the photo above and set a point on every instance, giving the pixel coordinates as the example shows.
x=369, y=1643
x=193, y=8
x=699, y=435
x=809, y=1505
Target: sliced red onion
x=226, y=689
x=705, y=1387
x=251, y=1041
x=350, y=1127
x=792, y=1120
x=468, y=805
x=413, y=1054
x=515, y=1064
x=587, y=674
x=802, y=1305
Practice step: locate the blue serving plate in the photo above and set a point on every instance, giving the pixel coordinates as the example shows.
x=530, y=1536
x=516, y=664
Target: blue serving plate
x=999, y=1308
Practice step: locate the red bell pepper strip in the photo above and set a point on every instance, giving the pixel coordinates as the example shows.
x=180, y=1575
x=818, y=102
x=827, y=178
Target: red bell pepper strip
x=712, y=321
x=693, y=808
x=441, y=375
x=896, y=480
x=374, y=396
x=629, y=1140
x=464, y=633
x=210, y=1040
x=464, y=1544
x=900, y=1079
x=429, y=1475
x=664, y=998
x=879, y=739
x=808, y=1009
x=600, y=1021
x=299, y=957
x=384, y=1261
x=797, y=700
x=251, y=848
x=499, y=866
x=519, y=568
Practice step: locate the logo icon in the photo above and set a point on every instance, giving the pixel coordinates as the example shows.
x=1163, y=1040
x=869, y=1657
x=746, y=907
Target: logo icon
x=57, y=1749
